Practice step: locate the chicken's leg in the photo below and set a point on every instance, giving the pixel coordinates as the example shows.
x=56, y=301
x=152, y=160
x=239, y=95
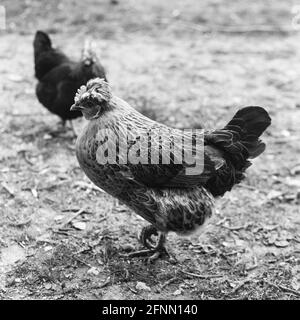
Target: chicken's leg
x=62, y=125
x=156, y=249
x=73, y=129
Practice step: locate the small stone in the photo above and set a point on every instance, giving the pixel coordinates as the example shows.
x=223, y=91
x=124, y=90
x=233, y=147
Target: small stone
x=58, y=218
x=93, y=270
x=272, y=238
x=142, y=286
x=281, y=243
x=285, y=133
x=34, y=192
x=177, y=292
x=295, y=170
x=274, y=194
x=47, y=286
x=176, y=13
x=47, y=136
x=15, y=78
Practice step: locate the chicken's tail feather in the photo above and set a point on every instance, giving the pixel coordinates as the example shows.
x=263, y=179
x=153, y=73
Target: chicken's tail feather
x=246, y=127
x=238, y=141
x=41, y=42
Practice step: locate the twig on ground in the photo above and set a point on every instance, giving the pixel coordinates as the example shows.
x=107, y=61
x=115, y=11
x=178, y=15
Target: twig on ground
x=132, y=290
x=25, y=156
x=202, y=276
x=86, y=185
x=282, y=288
x=21, y=223
x=140, y=253
x=234, y=252
x=102, y=219
x=241, y=284
x=236, y=228
x=81, y=261
x=76, y=210
x=246, y=186
x=76, y=214
x=64, y=233
x=168, y=282
x=21, y=245
x=8, y=189
x=105, y=283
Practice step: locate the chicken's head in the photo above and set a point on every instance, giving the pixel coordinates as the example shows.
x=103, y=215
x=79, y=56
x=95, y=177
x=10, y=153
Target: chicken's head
x=89, y=56
x=93, y=99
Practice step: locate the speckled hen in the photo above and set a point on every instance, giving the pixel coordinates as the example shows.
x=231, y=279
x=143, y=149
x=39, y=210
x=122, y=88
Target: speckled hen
x=163, y=194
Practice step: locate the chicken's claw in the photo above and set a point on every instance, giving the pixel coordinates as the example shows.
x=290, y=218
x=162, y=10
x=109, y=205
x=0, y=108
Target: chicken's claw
x=154, y=248
x=145, y=237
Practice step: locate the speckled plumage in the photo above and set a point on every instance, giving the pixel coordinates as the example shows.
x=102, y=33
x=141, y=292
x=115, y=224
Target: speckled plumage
x=162, y=193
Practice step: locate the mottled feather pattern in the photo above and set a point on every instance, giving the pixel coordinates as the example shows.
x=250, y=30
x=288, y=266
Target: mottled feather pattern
x=161, y=193
x=163, y=207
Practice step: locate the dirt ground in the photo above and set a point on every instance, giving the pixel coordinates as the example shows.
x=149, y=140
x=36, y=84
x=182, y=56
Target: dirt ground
x=184, y=63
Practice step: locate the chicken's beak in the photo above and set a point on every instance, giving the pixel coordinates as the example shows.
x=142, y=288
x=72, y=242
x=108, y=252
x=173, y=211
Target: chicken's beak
x=75, y=107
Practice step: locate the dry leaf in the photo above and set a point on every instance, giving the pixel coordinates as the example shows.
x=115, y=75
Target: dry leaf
x=15, y=77
x=94, y=271
x=281, y=243
x=79, y=225
x=295, y=170
x=8, y=188
x=58, y=218
x=48, y=248
x=292, y=182
x=274, y=194
x=272, y=238
x=34, y=192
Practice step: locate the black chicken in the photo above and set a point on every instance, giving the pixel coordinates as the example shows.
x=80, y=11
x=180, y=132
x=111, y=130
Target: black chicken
x=161, y=193
x=59, y=77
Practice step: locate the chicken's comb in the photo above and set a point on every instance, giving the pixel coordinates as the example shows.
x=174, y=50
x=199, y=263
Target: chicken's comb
x=99, y=82
x=89, y=49
x=79, y=93
x=103, y=90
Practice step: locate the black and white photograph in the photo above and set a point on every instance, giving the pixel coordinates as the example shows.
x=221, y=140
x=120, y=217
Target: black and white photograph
x=150, y=150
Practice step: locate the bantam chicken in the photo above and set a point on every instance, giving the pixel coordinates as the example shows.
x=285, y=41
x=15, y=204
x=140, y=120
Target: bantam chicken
x=162, y=193
x=59, y=77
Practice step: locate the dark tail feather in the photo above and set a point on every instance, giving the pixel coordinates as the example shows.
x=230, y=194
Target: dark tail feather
x=239, y=141
x=45, y=56
x=249, y=123
x=41, y=42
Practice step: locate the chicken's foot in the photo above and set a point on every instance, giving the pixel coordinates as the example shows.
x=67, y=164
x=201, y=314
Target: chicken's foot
x=154, y=249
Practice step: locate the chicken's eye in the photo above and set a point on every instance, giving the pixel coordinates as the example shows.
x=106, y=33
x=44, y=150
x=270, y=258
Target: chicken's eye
x=88, y=104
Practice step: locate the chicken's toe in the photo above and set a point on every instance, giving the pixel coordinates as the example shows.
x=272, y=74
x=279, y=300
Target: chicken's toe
x=146, y=237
